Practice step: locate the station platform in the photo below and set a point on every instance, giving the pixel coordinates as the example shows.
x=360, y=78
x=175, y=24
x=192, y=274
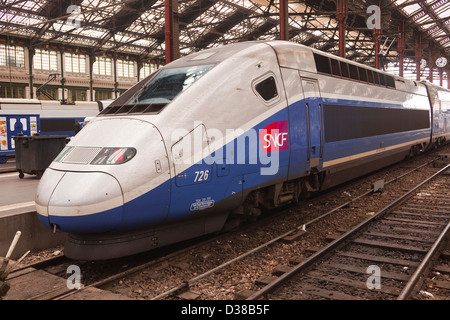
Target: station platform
x=18, y=213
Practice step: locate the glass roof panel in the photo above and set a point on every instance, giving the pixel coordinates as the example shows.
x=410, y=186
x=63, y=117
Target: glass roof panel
x=138, y=27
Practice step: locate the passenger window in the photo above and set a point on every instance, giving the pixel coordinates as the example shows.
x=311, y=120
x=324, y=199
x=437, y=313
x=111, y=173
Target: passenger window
x=362, y=74
x=267, y=88
x=322, y=63
x=370, y=76
x=376, y=78
x=335, y=67
x=353, y=71
x=382, y=79
x=390, y=81
x=344, y=70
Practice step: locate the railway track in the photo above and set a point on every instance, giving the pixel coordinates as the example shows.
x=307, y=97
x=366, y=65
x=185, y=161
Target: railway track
x=384, y=257
x=149, y=276
x=54, y=278
x=436, y=285
x=200, y=285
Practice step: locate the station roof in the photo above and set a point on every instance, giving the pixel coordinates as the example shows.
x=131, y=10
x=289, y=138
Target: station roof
x=137, y=27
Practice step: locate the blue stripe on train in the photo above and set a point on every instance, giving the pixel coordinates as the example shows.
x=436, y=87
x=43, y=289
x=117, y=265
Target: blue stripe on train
x=172, y=200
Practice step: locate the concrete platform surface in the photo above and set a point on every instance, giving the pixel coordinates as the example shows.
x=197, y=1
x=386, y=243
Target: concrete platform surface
x=16, y=192
x=18, y=213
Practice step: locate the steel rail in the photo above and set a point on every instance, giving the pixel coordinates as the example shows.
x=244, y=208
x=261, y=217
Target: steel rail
x=409, y=288
x=188, y=283
x=321, y=253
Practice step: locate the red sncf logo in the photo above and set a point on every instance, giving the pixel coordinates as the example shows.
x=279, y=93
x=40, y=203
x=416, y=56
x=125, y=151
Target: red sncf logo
x=274, y=137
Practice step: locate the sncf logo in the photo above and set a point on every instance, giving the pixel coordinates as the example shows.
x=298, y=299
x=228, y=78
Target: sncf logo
x=274, y=137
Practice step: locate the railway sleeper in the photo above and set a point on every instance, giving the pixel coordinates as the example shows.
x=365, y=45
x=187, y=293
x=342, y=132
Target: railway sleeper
x=328, y=294
x=389, y=245
x=442, y=269
x=417, y=222
x=426, y=215
x=342, y=280
x=398, y=237
x=396, y=222
x=381, y=259
x=363, y=271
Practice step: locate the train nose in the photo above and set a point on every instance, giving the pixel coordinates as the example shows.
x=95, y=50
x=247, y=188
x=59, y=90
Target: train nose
x=81, y=202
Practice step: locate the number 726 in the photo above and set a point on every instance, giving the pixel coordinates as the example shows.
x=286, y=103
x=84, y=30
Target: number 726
x=201, y=175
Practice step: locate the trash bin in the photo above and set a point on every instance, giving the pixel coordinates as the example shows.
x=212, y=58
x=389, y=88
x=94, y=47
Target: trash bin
x=35, y=153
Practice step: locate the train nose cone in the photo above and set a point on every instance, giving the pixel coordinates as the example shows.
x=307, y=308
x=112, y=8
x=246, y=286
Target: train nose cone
x=81, y=202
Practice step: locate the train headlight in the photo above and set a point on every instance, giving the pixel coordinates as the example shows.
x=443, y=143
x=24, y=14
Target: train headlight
x=114, y=156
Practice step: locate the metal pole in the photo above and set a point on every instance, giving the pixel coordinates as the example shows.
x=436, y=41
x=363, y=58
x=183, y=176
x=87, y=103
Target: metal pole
x=341, y=15
x=448, y=76
x=284, y=20
x=430, y=62
x=418, y=56
x=31, y=53
x=377, y=49
x=401, y=48
x=63, y=80
x=172, y=30
x=91, y=76
x=168, y=25
x=13, y=244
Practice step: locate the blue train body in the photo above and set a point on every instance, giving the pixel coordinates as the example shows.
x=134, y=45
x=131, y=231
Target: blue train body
x=215, y=137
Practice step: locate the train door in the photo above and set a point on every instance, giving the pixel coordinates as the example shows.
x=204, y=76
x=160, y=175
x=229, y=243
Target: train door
x=298, y=135
x=191, y=188
x=313, y=104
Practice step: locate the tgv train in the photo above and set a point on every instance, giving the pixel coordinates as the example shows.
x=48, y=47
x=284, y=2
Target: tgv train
x=217, y=136
x=31, y=116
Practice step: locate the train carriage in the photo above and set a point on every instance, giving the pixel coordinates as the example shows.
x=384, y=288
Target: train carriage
x=32, y=116
x=220, y=135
